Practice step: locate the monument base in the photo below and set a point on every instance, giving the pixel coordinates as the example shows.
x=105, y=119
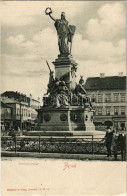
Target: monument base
x=68, y=118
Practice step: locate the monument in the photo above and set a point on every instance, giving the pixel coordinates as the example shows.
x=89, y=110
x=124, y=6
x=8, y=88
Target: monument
x=67, y=109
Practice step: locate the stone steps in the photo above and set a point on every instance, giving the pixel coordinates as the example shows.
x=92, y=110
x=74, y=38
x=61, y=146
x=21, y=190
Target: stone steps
x=48, y=133
x=65, y=133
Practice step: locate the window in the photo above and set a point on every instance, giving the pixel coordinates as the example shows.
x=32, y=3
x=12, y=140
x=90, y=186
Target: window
x=108, y=110
x=122, y=110
x=17, y=112
x=122, y=97
x=123, y=124
x=100, y=111
x=108, y=98
x=99, y=98
x=116, y=98
x=116, y=124
x=93, y=99
x=24, y=112
x=116, y=110
x=108, y=123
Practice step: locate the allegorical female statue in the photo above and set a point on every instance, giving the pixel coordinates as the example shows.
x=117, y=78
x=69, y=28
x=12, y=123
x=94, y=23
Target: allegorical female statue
x=65, y=32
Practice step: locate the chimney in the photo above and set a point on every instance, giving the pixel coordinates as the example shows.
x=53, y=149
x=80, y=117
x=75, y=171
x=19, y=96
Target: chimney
x=30, y=96
x=120, y=74
x=102, y=75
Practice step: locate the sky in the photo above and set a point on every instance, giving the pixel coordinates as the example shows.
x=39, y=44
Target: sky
x=29, y=38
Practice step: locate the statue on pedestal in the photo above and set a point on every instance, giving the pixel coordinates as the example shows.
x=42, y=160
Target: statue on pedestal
x=80, y=91
x=82, y=94
x=65, y=32
x=66, y=104
x=59, y=94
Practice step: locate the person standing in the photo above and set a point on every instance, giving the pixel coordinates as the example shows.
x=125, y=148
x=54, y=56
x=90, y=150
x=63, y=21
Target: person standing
x=115, y=144
x=108, y=141
x=122, y=144
x=19, y=132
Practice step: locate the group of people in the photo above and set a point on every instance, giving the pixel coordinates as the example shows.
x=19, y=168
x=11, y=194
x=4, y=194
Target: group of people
x=115, y=141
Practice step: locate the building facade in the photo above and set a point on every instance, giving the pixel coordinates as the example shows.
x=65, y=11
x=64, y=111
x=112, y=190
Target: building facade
x=109, y=95
x=23, y=114
x=6, y=116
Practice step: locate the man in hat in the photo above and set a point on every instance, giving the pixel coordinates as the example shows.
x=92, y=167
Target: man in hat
x=122, y=144
x=108, y=141
x=115, y=143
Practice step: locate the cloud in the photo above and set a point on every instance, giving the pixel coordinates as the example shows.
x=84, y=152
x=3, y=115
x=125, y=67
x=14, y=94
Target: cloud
x=19, y=39
x=109, y=24
x=24, y=13
x=21, y=65
x=37, y=86
x=24, y=73
x=93, y=68
x=102, y=51
x=32, y=62
x=43, y=44
x=47, y=43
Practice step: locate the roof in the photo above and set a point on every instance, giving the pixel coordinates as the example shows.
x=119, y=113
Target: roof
x=106, y=83
x=7, y=100
x=4, y=105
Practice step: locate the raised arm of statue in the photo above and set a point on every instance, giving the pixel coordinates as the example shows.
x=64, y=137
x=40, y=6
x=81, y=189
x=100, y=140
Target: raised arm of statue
x=52, y=17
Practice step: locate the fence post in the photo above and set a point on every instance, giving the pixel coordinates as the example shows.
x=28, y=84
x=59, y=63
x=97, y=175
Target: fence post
x=15, y=139
x=65, y=143
x=92, y=146
x=39, y=144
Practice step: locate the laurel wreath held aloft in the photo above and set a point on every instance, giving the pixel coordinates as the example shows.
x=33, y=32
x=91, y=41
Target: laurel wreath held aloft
x=48, y=11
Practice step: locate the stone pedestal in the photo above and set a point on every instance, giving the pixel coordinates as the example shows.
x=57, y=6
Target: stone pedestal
x=54, y=119
x=65, y=68
x=71, y=118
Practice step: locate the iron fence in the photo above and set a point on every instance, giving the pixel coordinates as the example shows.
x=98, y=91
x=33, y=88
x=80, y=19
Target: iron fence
x=46, y=144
